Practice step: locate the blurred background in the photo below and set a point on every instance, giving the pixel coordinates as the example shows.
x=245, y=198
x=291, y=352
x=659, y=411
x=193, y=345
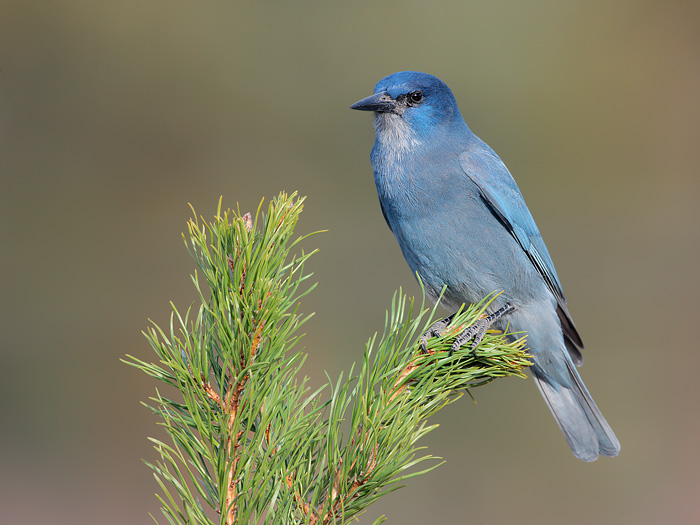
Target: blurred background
x=115, y=115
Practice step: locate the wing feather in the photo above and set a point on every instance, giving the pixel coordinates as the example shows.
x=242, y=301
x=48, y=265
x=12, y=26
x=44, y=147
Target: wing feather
x=501, y=194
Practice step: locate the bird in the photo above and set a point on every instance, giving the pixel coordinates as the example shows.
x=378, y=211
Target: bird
x=465, y=232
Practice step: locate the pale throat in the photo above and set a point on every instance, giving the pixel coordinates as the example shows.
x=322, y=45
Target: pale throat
x=397, y=144
x=395, y=136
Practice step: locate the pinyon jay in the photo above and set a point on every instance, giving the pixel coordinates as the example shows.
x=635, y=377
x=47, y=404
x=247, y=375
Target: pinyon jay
x=462, y=223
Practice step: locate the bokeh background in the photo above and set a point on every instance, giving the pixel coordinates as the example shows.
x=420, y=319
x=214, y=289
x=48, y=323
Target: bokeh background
x=115, y=115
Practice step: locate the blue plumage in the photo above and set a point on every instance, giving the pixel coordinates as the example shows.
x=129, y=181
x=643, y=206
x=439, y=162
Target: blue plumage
x=461, y=221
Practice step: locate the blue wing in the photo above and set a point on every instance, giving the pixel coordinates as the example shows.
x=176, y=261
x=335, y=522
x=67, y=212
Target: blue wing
x=501, y=194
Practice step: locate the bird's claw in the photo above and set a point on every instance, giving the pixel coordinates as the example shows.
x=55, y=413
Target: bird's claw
x=476, y=331
x=436, y=329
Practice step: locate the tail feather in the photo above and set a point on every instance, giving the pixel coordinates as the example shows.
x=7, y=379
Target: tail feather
x=578, y=417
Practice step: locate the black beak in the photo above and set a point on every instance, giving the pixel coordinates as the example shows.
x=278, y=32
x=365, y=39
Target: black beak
x=380, y=102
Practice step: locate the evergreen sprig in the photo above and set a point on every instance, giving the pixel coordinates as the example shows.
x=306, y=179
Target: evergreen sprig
x=249, y=441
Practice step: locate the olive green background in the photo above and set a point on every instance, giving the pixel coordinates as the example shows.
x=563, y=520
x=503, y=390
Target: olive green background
x=115, y=115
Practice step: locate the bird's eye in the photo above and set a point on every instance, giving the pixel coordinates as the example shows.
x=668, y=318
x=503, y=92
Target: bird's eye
x=415, y=97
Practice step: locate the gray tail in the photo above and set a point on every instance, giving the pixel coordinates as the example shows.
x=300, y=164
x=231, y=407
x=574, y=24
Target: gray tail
x=578, y=417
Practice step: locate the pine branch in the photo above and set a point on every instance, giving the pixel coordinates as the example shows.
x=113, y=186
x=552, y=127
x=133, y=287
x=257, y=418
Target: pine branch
x=249, y=441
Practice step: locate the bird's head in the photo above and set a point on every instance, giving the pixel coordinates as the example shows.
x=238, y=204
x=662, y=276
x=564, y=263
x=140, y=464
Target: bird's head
x=412, y=103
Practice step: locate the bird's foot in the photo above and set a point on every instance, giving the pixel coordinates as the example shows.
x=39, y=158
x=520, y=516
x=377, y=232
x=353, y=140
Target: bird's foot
x=477, y=331
x=436, y=329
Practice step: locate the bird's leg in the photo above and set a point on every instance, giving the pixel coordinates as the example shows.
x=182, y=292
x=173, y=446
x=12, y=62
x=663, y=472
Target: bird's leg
x=436, y=329
x=478, y=329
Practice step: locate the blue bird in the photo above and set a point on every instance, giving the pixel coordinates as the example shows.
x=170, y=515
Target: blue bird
x=462, y=223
